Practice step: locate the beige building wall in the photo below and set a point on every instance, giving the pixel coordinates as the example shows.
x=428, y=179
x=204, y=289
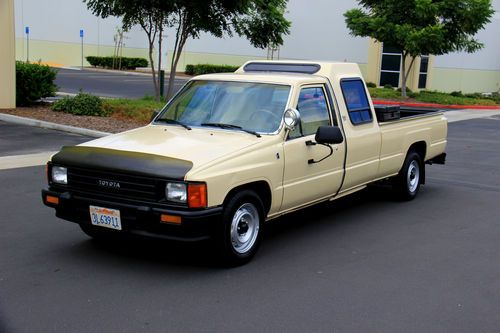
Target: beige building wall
x=63, y=54
x=465, y=80
x=375, y=64
x=7, y=55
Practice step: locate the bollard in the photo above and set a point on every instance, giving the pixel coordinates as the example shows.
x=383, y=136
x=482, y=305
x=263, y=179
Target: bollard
x=162, y=83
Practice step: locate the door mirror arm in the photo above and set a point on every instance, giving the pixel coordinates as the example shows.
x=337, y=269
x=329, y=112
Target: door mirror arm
x=325, y=136
x=312, y=161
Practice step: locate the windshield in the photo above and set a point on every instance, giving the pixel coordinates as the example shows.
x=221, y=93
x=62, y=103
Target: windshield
x=255, y=107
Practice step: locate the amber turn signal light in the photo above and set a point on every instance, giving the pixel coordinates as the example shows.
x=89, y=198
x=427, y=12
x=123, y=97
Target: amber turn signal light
x=171, y=219
x=197, y=195
x=52, y=200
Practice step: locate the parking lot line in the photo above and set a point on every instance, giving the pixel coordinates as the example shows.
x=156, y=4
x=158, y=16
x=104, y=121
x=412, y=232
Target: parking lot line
x=21, y=161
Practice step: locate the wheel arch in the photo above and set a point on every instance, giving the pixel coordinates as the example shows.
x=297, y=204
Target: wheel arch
x=261, y=188
x=420, y=148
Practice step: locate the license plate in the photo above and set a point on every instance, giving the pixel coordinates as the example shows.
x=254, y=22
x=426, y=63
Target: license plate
x=105, y=217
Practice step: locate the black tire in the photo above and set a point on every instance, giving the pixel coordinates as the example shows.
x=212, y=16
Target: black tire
x=407, y=183
x=238, y=237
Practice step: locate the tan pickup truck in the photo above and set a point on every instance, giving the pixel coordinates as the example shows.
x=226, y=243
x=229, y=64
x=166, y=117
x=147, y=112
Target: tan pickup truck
x=231, y=151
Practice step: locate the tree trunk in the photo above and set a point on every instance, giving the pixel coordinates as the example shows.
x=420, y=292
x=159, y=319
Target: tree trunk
x=150, y=31
x=152, y=64
x=160, y=36
x=180, y=41
x=405, y=73
x=405, y=77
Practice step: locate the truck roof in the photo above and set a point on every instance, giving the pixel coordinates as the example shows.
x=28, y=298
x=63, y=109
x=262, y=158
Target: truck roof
x=288, y=71
x=272, y=78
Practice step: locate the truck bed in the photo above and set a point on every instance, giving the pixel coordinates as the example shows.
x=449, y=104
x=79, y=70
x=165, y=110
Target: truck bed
x=391, y=113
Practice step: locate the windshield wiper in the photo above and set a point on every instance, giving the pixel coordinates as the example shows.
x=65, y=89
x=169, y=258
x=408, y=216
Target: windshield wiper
x=229, y=126
x=173, y=121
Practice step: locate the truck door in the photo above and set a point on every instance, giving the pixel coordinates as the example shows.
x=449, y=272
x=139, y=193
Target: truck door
x=362, y=131
x=304, y=182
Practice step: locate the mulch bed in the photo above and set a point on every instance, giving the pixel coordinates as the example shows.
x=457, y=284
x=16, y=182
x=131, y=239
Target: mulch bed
x=112, y=124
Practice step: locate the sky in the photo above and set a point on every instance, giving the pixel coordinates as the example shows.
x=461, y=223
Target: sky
x=318, y=33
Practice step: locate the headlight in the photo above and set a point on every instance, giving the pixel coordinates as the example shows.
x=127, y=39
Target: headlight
x=176, y=192
x=59, y=175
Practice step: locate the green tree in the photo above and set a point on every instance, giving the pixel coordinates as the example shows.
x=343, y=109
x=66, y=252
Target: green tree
x=421, y=26
x=261, y=22
x=151, y=15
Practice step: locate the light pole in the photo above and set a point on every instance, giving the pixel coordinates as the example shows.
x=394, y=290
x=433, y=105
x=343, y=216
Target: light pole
x=81, y=37
x=27, y=30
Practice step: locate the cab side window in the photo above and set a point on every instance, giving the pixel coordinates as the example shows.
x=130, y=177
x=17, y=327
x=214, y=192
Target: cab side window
x=356, y=101
x=313, y=110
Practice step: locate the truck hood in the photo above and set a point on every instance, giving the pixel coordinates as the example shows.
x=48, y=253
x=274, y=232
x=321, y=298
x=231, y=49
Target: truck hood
x=199, y=145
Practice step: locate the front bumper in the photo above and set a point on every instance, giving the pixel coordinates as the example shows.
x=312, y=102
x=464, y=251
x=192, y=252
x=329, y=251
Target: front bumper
x=139, y=218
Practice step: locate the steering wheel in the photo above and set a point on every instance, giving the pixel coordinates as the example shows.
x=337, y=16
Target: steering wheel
x=269, y=114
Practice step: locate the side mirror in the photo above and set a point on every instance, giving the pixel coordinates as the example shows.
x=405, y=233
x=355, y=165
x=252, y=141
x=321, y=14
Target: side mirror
x=291, y=118
x=153, y=115
x=329, y=135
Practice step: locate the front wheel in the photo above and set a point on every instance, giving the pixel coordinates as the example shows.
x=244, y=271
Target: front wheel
x=407, y=183
x=238, y=237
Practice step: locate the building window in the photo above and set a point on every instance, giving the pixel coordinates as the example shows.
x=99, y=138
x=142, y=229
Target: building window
x=356, y=101
x=424, y=68
x=391, y=66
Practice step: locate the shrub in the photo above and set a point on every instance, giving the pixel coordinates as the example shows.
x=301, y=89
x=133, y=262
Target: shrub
x=81, y=105
x=475, y=95
x=126, y=62
x=34, y=81
x=457, y=94
x=388, y=86
x=408, y=90
x=371, y=85
x=200, y=69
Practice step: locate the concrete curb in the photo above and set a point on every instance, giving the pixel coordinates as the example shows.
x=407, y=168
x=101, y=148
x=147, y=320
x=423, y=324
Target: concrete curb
x=178, y=75
x=45, y=124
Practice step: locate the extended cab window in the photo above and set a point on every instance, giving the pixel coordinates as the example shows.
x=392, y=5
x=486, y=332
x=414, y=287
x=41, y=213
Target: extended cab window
x=356, y=101
x=313, y=110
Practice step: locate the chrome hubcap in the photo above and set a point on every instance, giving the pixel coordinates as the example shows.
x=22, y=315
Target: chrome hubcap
x=244, y=228
x=413, y=177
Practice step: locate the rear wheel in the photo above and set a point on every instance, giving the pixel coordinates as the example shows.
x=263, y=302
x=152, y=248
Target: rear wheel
x=407, y=183
x=238, y=237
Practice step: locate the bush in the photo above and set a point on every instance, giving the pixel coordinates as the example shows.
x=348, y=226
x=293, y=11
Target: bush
x=208, y=69
x=81, y=105
x=457, y=94
x=475, y=95
x=408, y=90
x=371, y=85
x=388, y=86
x=34, y=81
x=126, y=62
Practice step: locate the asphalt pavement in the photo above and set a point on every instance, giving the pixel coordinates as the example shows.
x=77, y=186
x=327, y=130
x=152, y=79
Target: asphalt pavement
x=109, y=84
x=365, y=263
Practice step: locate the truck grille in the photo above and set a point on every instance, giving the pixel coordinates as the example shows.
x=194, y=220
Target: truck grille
x=123, y=185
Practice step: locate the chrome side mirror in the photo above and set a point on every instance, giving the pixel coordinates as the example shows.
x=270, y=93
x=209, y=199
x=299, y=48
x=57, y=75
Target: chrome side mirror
x=291, y=118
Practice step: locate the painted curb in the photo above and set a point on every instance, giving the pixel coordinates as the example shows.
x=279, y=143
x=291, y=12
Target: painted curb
x=45, y=124
x=438, y=106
